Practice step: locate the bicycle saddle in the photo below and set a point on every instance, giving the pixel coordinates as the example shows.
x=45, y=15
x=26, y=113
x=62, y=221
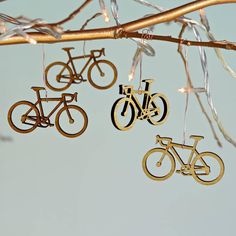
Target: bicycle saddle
x=196, y=137
x=147, y=80
x=68, y=49
x=37, y=88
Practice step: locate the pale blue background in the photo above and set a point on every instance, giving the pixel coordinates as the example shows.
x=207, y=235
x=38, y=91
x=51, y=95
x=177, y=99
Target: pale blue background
x=94, y=185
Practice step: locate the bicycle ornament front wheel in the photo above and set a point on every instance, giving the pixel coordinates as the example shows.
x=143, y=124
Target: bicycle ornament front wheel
x=71, y=121
x=123, y=114
x=58, y=76
x=102, y=74
x=23, y=117
x=158, y=109
x=207, y=168
x=156, y=167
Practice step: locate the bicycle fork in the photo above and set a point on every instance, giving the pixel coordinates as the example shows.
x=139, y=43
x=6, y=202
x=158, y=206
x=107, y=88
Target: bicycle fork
x=102, y=74
x=159, y=163
x=71, y=120
x=125, y=108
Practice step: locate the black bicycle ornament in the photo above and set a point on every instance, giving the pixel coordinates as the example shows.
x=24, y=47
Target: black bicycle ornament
x=125, y=111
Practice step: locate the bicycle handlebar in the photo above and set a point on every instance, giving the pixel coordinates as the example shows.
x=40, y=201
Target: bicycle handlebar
x=101, y=52
x=126, y=89
x=72, y=96
x=160, y=140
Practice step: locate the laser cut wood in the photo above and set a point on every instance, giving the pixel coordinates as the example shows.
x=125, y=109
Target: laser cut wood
x=160, y=163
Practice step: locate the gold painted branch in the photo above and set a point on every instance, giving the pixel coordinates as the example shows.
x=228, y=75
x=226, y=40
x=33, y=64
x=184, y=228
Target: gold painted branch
x=113, y=32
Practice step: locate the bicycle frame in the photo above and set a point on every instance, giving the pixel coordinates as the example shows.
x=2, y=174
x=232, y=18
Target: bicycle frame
x=71, y=61
x=142, y=109
x=172, y=146
x=45, y=119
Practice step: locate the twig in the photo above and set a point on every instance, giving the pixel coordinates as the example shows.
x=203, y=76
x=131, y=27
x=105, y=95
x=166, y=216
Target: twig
x=113, y=32
x=91, y=18
x=73, y=14
x=213, y=44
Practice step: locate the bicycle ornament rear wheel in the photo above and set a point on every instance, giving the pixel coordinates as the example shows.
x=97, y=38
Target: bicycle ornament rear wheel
x=71, y=121
x=123, y=114
x=102, y=74
x=58, y=76
x=158, y=109
x=157, y=169
x=23, y=117
x=207, y=168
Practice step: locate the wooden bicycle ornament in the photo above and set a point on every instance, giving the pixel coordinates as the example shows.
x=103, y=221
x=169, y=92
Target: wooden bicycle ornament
x=71, y=120
x=125, y=111
x=160, y=163
x=102, y=74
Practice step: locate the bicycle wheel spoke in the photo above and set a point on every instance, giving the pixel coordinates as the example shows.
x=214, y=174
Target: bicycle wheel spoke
x=158, y=165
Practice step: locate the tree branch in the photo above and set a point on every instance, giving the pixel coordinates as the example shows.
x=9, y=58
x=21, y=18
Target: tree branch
x=114, y=32
x=73, y=14
x=213, y=44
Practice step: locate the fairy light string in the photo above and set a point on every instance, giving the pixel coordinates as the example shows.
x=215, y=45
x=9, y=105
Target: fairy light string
x=184, y=56
x=22, y=23
x=207, y=92
x=142, y=45
x=205, y=22
x=204, y=25
x=104, y=10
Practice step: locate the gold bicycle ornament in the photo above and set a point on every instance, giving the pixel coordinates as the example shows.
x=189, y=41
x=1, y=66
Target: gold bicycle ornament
x=102, y=74
x=160, y=163
x=71, y=120
x=125, y=111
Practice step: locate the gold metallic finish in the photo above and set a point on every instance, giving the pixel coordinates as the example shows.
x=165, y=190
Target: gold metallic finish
x=172, y=14
x=198, y=165
x=125, y=111
x=59, y=75
x=33, y=115
x=112, y=32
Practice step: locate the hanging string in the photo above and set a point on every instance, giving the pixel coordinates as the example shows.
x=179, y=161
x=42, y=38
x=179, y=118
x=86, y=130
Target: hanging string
x=142, y=45
x=184, y=56
x=140, y=73
x=187, y=96
x=44, y=67
x=145, y=36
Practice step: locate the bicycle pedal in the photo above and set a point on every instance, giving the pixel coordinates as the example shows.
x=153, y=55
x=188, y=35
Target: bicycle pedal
x=178, y=172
